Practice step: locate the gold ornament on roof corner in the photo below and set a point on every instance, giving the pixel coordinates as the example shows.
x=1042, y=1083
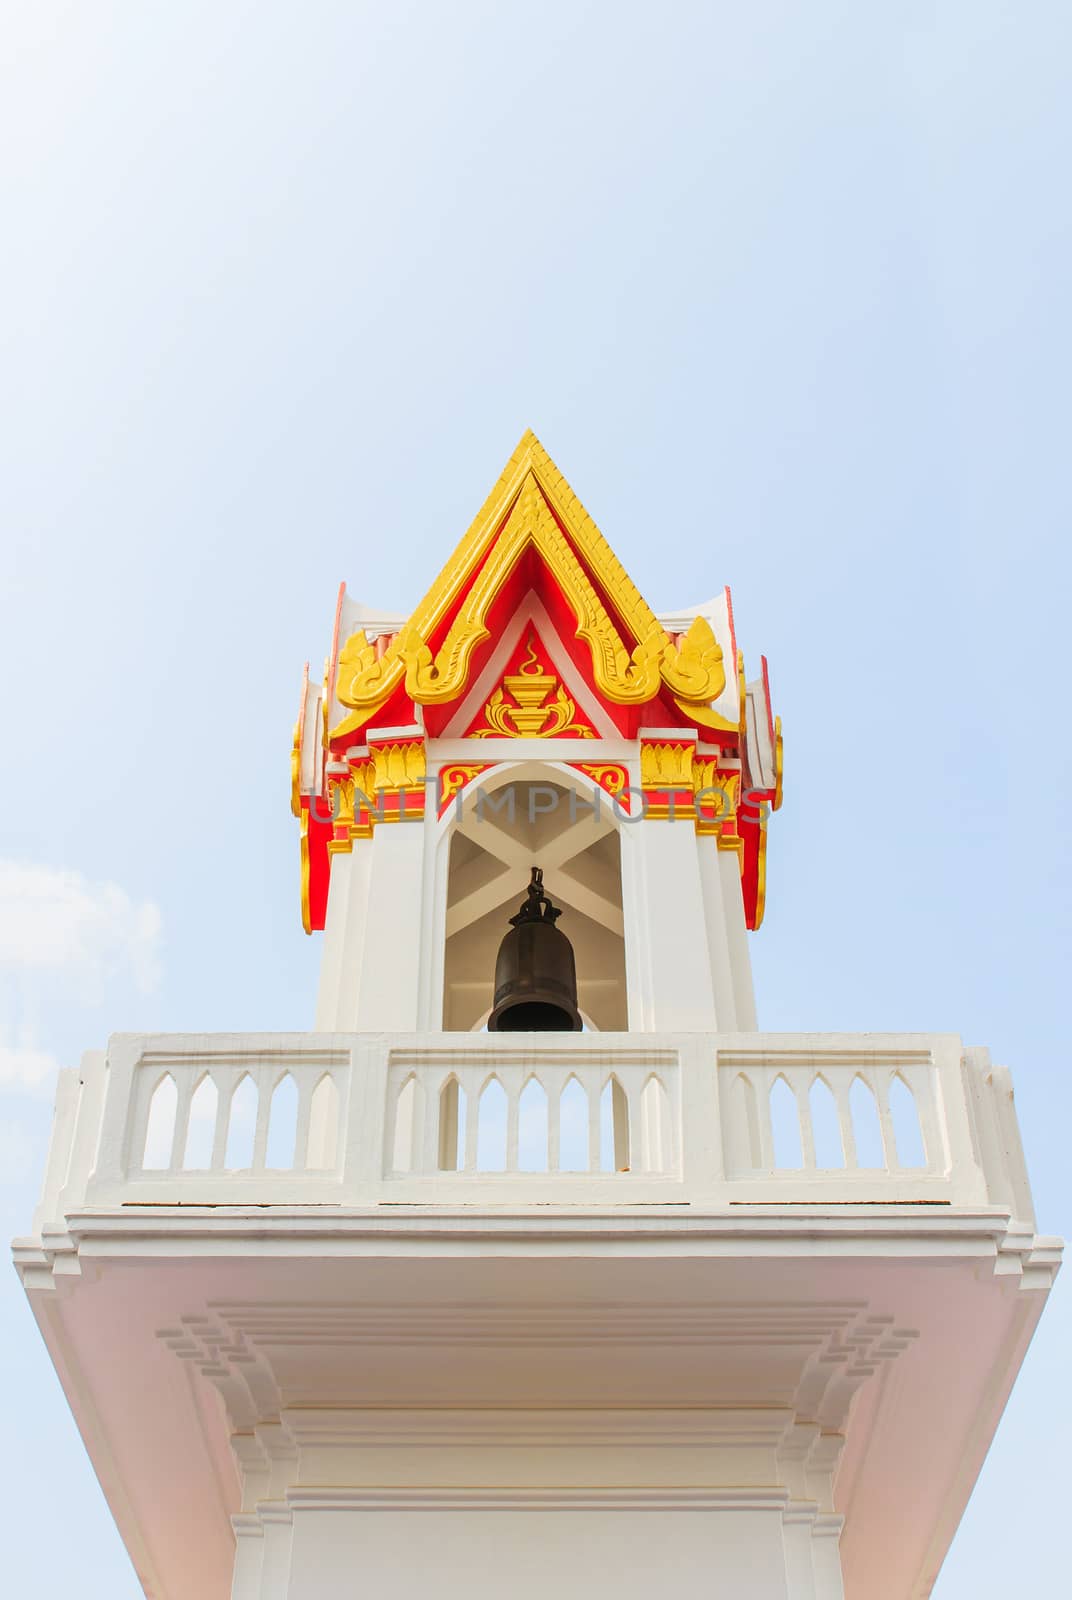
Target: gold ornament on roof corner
x=295, y=772
x=531, y=715
x=296, y=747
x=695, y=670
x=359, y=669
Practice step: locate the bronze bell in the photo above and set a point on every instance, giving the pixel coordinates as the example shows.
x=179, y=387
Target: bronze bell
x=535, y=974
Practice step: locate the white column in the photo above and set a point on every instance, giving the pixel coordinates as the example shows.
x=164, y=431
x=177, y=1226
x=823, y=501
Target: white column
x=717, y=934
x=826, y=1558
x=331, y=953
x=737, y=941
x=344, y=940
x=667, y=956
x=249, y=1557
x=387, y=969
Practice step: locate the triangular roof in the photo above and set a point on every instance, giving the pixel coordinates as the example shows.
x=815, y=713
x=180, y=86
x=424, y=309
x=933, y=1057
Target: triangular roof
x=532, y=514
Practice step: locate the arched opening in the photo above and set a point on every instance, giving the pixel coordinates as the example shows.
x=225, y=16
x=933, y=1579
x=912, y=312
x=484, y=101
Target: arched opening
x=322, y=1144
x=785, y=1127
x=409, y=1125
x=573, y=1128
x=825, y=1127
x=747, y=1120
x=866, y=1127
x=532, y=1128
x=907, y=1134
x=281, y=1149
x=160, y=1127
x=241, y=1125
x=519, y=817
x=201, y=1128
x=491, y=1128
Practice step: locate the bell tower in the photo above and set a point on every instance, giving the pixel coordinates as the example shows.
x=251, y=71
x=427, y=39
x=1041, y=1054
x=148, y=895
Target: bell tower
x=534, y=706
x=534, y=1266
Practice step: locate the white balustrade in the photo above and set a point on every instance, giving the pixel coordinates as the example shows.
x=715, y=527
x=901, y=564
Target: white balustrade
x=219, y=1121
x=585, y=1119
x=278, y=1113
x=828, y=1122
x=583, y=1116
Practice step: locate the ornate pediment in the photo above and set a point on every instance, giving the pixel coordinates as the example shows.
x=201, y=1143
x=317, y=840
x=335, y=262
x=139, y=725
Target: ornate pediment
x=532, y=520
x=533, y=631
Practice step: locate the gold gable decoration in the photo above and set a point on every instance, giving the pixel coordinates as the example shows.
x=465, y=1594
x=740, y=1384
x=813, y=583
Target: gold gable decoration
x=529, y=507
x=529, y=713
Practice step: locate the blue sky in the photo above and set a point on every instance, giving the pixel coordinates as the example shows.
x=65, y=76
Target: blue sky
x=782, y=288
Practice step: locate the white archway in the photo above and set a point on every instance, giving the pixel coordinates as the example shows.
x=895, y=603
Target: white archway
x=518, y=816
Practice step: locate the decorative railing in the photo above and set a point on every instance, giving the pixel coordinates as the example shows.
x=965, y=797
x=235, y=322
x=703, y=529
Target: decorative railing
x=588, y=1119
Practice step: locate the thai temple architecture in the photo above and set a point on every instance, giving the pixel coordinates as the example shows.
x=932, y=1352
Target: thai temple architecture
x=534, y=1267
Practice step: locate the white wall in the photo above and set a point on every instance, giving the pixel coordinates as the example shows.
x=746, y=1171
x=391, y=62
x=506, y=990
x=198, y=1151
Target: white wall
x=531, y=1554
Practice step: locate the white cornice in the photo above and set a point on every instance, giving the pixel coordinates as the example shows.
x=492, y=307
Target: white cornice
x=814, y=1354
x=485, y=1498
x=530, y=1429
x=336, y=1232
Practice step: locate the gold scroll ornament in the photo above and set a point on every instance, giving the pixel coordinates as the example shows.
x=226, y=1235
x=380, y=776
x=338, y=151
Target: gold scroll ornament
x=530, y=713
x=453, y=779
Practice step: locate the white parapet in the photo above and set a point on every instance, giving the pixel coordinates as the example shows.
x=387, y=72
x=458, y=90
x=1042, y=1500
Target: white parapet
x=600, y=1119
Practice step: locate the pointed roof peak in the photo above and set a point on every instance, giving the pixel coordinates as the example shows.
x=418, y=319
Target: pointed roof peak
x=532, y=507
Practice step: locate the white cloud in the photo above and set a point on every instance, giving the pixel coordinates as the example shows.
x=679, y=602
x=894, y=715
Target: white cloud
x=24, y=1067
x=52, y=921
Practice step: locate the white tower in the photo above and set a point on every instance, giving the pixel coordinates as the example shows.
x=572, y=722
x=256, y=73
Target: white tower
x=404, y=1306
